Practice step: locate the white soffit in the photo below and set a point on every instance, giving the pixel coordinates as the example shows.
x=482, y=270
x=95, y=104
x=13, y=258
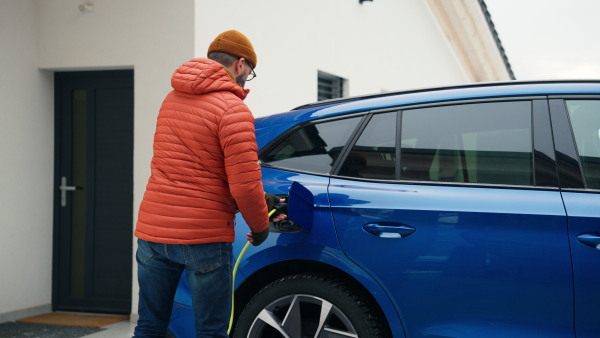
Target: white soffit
x=469, y=34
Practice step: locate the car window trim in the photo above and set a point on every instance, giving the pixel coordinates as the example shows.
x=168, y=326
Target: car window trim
x=273, y=143
x=564, y=99
x=588, y=191
x=350, y=143
x=357, y=135
x=574, y=97
x=461, y=101
x=543, y=144
x=407, y=182
x=564, y=143
x=398, y=143
x=399, y=109
x=353, y=138
x=528, y=99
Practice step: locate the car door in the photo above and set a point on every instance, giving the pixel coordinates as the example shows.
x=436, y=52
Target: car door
x=581, y=195
x=450, y=213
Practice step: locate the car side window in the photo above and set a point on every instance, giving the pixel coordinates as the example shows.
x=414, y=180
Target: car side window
x=471, y=143
x=314, y=147
x=585, y=121
x=374, y=154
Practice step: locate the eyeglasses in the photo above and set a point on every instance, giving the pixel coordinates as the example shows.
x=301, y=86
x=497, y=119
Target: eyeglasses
x=252, y=74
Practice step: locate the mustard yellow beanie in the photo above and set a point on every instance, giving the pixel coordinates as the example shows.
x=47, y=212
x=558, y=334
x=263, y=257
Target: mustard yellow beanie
x=234, y=43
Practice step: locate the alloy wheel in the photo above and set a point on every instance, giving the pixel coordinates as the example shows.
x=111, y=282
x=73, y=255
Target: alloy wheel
x=301, y=316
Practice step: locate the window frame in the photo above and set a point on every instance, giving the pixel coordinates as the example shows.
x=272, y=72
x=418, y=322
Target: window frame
x=485, y=101
x=352, y=142
x=338, y=86
x=275, y=142
x=564, y=140
x=540, y=115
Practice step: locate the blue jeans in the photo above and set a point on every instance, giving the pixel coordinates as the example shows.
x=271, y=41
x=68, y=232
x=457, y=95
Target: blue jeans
x=208, y=270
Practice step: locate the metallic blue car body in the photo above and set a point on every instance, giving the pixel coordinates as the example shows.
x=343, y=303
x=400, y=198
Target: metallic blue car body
x=484, y=261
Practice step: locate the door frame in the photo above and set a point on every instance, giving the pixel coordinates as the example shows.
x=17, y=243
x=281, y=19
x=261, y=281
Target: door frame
x=59, y=139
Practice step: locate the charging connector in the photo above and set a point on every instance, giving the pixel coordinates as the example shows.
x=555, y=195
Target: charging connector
x=285, y=225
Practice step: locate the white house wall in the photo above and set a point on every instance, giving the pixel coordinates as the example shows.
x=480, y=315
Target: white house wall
x=149, y=36
x=26, y=153
x=384, y=45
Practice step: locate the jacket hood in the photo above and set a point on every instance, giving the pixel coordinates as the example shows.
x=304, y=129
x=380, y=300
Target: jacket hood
x=201, y=76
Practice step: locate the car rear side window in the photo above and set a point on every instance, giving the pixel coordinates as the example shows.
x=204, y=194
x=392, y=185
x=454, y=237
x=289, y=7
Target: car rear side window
x=374, y=154
x=488, y=143
x=314, y=147
x=585, y=121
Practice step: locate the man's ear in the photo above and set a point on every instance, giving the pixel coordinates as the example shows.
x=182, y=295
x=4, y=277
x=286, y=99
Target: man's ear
x=239, y=65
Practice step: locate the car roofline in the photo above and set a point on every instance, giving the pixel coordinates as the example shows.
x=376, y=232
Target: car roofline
x=432, y=89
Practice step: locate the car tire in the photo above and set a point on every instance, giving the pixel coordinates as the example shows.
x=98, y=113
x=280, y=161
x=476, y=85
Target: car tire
x=294, y=304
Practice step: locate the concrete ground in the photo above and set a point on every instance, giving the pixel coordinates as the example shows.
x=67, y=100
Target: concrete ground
x=118, y=330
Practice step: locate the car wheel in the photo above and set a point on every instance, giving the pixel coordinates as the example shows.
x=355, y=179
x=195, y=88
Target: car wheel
x=308, y=305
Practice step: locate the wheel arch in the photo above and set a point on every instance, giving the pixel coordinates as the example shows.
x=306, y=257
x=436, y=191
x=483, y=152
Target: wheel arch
x=268, y=274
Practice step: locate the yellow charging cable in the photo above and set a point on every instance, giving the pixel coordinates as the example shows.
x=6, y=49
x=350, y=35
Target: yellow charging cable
x=235, y=268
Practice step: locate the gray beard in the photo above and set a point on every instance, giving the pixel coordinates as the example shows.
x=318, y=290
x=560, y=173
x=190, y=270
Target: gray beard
x=240, y=81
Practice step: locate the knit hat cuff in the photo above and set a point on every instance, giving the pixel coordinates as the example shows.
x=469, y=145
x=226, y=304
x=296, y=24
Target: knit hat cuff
x=236, y=44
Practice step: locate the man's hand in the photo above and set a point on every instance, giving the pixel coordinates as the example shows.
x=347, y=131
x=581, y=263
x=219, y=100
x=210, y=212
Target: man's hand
x=256, y=238
x=279, y=217
x=272, y=200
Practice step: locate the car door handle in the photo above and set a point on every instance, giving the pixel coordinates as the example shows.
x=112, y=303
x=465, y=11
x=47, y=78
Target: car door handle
x=388, y=230
x=592, y=240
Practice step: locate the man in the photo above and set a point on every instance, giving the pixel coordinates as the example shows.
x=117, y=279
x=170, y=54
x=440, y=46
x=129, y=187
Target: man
x=204, y=168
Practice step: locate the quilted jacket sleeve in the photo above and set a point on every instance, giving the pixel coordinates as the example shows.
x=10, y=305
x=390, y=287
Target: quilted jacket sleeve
x=238, y=141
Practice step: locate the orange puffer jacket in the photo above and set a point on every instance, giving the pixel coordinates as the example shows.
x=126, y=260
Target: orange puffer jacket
x=205, y=161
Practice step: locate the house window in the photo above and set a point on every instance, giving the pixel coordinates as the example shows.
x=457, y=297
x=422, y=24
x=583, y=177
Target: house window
x=330, y=86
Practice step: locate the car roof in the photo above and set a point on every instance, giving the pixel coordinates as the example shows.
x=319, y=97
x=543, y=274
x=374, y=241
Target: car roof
x=476, y=89
x=267, y=128
x=430, y=95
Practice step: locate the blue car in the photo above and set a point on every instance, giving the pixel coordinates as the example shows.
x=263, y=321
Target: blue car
x=469, y=211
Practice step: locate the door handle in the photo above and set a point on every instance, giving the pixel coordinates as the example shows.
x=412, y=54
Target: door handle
x=591, y=239
x=388, y=230
x=63, y=191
